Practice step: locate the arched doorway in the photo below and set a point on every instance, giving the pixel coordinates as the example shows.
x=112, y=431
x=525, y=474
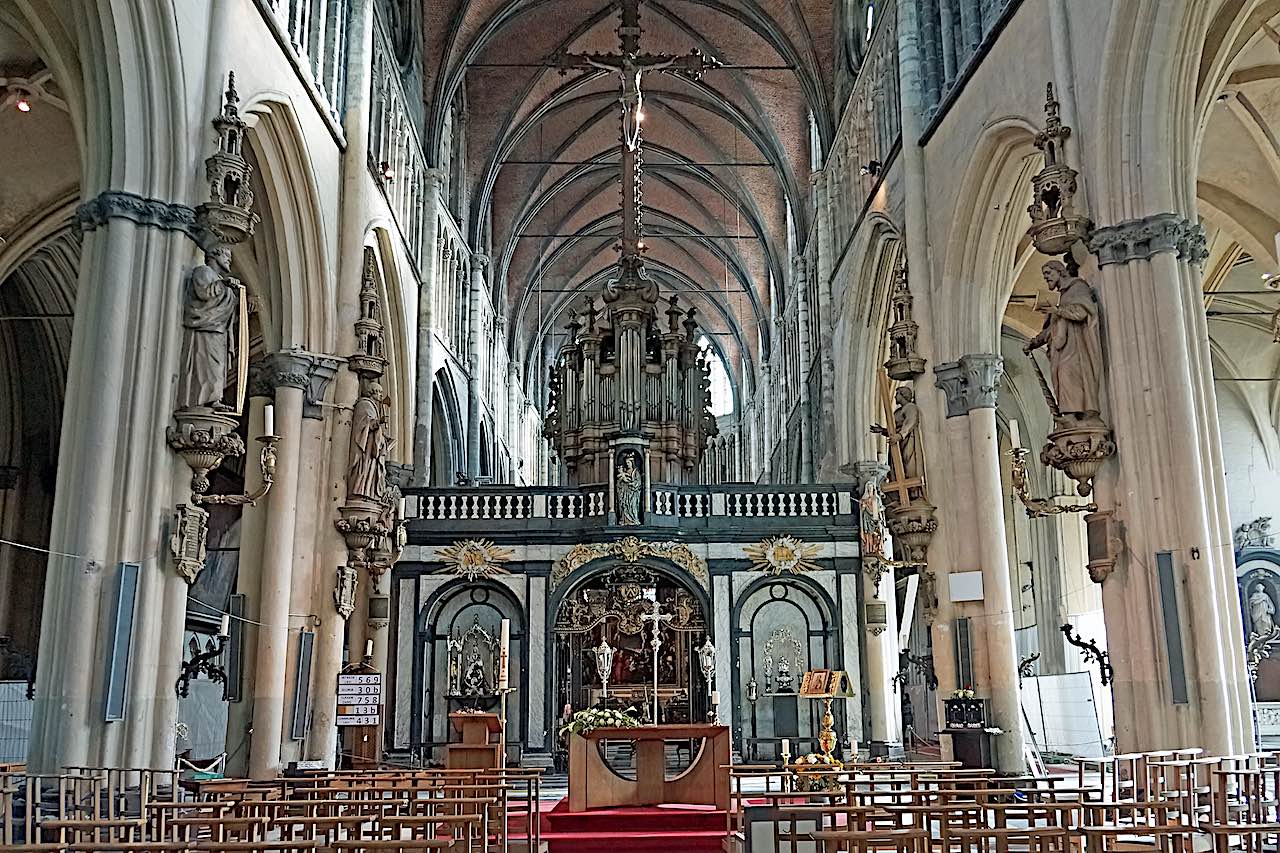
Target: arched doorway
x=456, y=663
x=782, y=627
x=610, y=603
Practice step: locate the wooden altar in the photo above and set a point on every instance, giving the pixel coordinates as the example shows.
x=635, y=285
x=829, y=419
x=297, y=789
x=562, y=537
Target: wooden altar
x=594, y=784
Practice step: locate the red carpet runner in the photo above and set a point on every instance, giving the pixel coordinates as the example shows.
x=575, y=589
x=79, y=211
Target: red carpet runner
x=650, y=829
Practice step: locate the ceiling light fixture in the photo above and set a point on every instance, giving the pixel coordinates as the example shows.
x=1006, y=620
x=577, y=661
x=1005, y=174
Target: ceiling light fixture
x=23, y=104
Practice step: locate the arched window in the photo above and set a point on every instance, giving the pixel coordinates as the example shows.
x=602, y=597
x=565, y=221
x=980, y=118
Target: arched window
x=721, y=388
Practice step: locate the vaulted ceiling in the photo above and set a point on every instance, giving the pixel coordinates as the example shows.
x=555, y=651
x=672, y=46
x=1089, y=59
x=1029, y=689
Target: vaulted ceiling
x=727, y=158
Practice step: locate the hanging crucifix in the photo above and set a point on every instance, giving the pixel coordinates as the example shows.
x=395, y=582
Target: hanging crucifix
x=630, y=65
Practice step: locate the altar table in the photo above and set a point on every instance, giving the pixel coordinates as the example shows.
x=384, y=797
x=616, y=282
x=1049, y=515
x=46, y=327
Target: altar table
x=594, y=784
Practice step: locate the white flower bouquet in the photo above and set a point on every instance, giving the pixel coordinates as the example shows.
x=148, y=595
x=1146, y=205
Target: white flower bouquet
x=599, y=718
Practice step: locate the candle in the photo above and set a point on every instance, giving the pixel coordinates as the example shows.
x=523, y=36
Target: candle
x=269, y=419
x=504, y=652
x=715, y=697
x=786, y=746
x=404, y=507
x=1014, y=438
x=368, y=648
x=224, y=629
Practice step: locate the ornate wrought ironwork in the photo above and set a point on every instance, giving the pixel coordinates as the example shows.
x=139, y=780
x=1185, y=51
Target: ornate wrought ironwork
x=921, y=665
x=1092, y=653
x=207, y=663
x=631, y=550
x=1024, y=666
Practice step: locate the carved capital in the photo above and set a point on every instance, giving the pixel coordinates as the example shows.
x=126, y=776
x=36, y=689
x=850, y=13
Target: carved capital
x=973, y=382
x=950, y=379
x=151, y=212
x=1141, y=239
x=479, y=263
x=294, y=369
x=869, y=471
x=982, y=374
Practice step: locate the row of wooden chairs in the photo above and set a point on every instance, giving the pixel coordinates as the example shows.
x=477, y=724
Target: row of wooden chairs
x=1177, y=801
x=138, y=810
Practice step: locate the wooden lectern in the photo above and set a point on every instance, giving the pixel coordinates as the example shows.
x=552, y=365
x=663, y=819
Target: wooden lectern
x=480, y=747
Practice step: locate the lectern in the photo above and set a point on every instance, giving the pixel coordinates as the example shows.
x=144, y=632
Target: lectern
x=480, y=745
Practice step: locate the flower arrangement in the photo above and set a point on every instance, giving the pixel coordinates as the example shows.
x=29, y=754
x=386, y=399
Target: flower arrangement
x=598, y=718
x=964, y=693
x=809, y=780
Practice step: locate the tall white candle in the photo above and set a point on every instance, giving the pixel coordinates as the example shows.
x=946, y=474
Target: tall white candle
x=368, y=648
x=1014, y=438
x=504, y=659
x=786, y=746
x=715, y=697
x=224, y=629
x=269, y=419
x=404, y=507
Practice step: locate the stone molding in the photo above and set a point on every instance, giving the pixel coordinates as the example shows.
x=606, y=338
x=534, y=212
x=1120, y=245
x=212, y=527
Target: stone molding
x=971, y=383
x=121, y=204
x=868, y=471
x=294, y=369
x=1141, y=239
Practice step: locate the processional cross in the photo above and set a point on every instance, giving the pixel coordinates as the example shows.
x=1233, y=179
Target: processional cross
x=656, y=619
x=630, y=65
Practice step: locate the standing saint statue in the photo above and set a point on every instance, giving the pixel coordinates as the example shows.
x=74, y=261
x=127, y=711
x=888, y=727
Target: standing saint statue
x=871, y=512
x=209, y=312
x=906, y=423
x=1262, y=611
x=370, y=442
x=1073, y=341
x=629, y=482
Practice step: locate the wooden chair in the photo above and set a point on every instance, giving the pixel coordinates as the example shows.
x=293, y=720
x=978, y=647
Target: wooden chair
x=875, y=841
x=1244, y=813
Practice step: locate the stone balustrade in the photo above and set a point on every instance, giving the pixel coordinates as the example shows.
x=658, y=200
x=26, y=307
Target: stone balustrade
x=315, y=36
x=669, y=505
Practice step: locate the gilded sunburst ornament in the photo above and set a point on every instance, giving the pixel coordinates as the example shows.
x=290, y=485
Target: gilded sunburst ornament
x=474, y=558
x=782, y=554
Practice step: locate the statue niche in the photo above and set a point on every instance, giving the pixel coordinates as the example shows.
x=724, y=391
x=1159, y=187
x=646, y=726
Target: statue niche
x=628, y=488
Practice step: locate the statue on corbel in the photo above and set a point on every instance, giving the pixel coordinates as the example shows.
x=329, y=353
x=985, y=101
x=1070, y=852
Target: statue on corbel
x=1071, y=336
x=215, y=344
x=372, y=519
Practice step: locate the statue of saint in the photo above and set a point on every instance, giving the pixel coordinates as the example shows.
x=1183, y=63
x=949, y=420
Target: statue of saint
x=906, y=423
x=871, y=511
x=370, y=442
x=1262, y=611
x=629, y=483
x=1073, y=342
x=210, y=308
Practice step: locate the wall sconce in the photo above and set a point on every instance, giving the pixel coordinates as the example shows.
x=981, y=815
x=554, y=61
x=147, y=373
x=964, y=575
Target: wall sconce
x=871, y=167
x=388, y=174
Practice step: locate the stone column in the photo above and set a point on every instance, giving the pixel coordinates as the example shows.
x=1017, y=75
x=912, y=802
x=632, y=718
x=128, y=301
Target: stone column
x=430, y=266
x=476, y=294
x=287, y=373
x=801, y=286
x=114, y=486
x=971, y=386
x=1167, y=490
x=357, y=197
x=878, y=590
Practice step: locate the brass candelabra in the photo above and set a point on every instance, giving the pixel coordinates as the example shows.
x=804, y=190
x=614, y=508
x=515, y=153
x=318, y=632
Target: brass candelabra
x=1038, y=507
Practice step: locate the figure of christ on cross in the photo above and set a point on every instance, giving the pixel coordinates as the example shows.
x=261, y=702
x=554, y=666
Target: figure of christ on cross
x=656, y=619
x=630, y=64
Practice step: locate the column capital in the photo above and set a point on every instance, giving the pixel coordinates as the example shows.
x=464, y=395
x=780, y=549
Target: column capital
x=973, y=382
x=152, y=212
x=1141, y=239
x=434, y=179
x=479, y=262
x=868, y=471
x=294, y=369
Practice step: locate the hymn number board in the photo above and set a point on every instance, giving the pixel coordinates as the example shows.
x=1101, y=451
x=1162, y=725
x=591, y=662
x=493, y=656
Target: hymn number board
x=359, y=699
